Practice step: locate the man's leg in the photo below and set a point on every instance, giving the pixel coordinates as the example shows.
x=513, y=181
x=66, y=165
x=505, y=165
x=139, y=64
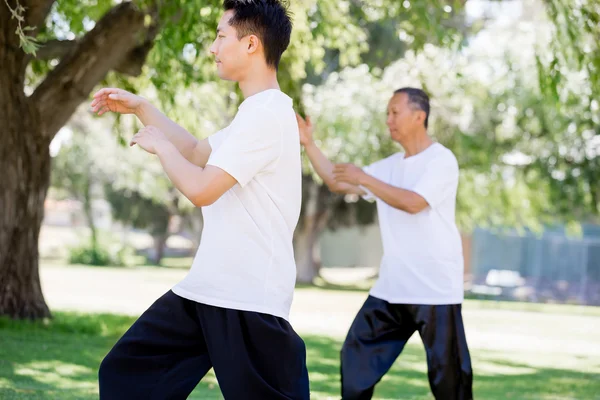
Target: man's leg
x=376, y=338
x=448, y=360
x=162, y=355
x=255, y=355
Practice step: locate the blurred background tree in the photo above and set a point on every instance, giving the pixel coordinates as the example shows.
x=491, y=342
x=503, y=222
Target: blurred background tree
x=55, y=53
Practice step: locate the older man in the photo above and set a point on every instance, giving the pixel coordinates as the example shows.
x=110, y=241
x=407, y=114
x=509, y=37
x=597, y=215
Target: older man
x=420, y=285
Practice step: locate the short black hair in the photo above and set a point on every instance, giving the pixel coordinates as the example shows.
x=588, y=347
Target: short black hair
x=417, y=99
x=268, y=19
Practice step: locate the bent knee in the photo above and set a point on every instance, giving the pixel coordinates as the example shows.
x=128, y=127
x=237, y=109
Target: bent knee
x=106, y=368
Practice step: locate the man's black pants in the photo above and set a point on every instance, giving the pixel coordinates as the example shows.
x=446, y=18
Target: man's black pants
x=379, y=333
x=176, y=341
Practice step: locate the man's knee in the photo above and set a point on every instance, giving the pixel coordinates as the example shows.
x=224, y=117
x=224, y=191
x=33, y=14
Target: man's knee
x=349, y=350
x=354, y=386
x=466, y=369
x=106, y=370
x=103, y=370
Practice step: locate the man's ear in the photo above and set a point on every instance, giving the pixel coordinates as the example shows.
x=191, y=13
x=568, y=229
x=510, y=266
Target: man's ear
x=421, y=115
x=253, y=43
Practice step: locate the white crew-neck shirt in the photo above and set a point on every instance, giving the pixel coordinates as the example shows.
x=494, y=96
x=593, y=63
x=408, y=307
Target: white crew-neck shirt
x=422, y=259
x=245, y=260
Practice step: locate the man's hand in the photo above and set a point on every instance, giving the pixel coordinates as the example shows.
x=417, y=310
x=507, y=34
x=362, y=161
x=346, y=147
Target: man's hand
x=348, y=173
x=149, y=139
x=116, y=100
x=306, y=129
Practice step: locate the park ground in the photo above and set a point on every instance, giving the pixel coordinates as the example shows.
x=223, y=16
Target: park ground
x=519, y=351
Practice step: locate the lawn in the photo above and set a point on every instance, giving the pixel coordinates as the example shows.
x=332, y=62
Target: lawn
x=59, y=360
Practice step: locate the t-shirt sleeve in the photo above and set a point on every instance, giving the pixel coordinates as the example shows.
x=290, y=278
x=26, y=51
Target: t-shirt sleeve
x=438, y=181
x=216, y=139
x=378, y=170
x=251, y=146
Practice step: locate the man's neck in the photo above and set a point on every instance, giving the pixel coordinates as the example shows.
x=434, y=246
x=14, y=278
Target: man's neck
x=259, y=81
x=417, y=143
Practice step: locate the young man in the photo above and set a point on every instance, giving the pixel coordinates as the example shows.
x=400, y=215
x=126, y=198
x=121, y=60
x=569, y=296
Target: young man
x=231, y=310
x=420, y=285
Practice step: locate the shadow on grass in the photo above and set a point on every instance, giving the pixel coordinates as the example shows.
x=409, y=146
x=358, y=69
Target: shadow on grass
x=59, y=359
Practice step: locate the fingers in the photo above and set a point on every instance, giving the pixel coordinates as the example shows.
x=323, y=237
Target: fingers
x=342, y=173
x=337, y=172
x=97, y=103
x=305, y=120
x=145, y=131
x=100, y=99
x=339, y=168
x=339, y=177
x=100, y=103
x=106, y=92
x=135, y=138
x=99, y=107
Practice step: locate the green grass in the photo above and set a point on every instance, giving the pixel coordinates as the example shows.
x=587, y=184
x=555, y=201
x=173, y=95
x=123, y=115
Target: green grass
x=58, y=359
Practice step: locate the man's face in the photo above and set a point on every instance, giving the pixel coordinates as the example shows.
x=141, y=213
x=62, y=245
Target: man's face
x=231, y=54
x=402, y=119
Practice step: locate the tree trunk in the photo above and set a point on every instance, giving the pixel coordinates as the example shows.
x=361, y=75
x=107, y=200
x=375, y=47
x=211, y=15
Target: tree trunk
x=89, y=215
x=160, y=242
x=306, y=245
x=28, y=125
x=194, y=222
x=160, y=233
x=25, y=166
x=306, y=250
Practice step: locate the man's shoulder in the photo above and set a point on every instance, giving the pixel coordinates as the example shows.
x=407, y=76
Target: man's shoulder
x=442, y=158
x=392, y=157
x=270, y=101
x=264, y=114
x=388, y=159
x=442, y=152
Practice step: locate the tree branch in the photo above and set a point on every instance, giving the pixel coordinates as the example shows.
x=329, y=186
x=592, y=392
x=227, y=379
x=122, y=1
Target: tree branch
x=36, y=12
x=114, y=39
x=130, y=65
x=55, y=49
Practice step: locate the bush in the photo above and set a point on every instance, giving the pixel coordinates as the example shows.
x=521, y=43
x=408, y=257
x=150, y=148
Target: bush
x=115, y=254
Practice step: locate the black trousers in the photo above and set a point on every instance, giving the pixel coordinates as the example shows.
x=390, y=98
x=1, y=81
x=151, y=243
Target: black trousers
x=176, y=341
x=379, y=333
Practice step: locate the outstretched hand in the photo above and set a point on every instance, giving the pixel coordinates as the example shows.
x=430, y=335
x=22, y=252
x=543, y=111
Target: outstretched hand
x=347, y=173
x=115, y=100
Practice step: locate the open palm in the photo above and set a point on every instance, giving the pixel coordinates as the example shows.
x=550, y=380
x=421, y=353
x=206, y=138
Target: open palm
x=115, y=100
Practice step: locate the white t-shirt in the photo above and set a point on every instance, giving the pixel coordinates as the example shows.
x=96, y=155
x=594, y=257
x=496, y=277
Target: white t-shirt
x=245, y=260
x=422, y=253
